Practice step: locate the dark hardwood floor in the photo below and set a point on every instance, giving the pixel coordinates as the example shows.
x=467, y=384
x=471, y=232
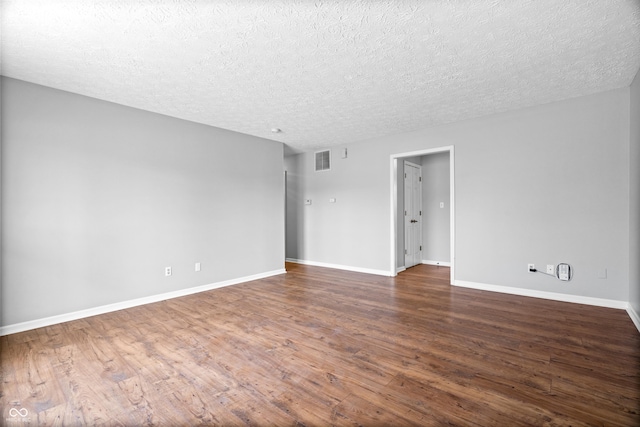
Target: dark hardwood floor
x=320, y=347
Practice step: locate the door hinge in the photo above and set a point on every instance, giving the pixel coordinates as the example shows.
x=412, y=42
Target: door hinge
x=420, y=247
x=420, y=213
x=405, y=251
x=405, y=213
x=420, y=179
x=405, y=175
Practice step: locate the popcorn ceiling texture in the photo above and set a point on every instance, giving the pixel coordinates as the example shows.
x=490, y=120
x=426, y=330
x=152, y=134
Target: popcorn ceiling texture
x=325, y=72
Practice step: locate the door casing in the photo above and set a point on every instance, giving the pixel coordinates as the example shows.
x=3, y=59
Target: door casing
x=393, y=179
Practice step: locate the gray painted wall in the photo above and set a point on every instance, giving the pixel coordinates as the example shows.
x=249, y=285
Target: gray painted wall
x=294, y=233
x=634, y=196
x=436, y=239
x=1, y=198
x=98, y=198
x=547, y=184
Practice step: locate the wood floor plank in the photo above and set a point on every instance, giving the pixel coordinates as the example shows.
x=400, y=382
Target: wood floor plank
x=362, y=411
x=326, y=347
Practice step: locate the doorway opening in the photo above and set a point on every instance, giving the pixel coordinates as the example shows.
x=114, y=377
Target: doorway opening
x=397, y=235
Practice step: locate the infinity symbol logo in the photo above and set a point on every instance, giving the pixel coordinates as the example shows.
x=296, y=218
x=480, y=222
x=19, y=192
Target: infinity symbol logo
x=22, y=412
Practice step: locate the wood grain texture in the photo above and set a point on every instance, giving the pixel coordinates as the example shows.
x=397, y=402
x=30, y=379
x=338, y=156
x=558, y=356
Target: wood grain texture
x=321, y=347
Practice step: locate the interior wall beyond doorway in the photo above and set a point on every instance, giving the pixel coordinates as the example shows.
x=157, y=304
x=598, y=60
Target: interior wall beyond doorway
x=436, y=218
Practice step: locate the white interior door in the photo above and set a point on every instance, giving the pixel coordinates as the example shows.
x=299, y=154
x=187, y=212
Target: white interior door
x=412, y=214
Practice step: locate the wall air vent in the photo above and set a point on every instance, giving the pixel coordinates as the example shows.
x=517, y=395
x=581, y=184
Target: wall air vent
x=323, y=160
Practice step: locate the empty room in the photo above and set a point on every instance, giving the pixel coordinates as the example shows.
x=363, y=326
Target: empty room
x=317, y=213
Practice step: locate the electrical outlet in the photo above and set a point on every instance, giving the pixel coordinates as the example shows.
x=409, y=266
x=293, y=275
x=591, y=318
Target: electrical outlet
x=167, y=271
x=551, y=269
x=531, y=267
x=197, y=266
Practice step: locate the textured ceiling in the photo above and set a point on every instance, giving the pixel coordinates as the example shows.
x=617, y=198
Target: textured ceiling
x=325, y=72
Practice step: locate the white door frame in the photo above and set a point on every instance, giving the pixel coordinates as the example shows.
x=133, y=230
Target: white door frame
x=393, y=179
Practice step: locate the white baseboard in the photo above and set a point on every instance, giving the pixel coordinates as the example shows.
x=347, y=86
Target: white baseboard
x=600, y=302
x=400, y=270
x=48, y=321
x=440, y=263
x=340, y=267
x=634, y=317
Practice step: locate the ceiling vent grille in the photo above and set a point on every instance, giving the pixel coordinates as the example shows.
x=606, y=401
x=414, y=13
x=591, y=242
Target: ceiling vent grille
x=323, y=160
